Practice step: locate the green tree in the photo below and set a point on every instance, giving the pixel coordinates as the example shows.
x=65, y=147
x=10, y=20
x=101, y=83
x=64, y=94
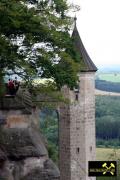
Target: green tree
x=49, y=127
x=107, y=120
x=26, y=23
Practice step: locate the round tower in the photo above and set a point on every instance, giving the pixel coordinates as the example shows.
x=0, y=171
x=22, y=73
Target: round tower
x=77, y=142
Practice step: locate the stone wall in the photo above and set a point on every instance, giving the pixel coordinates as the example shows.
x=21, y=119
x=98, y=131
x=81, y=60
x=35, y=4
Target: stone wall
x=77, y=130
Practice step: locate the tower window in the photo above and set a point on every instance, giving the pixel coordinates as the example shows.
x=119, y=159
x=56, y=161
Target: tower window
x=90, y=148
x=76, y=97
x=78, y=150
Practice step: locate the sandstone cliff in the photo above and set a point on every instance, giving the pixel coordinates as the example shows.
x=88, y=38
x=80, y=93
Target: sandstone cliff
x=23, y=154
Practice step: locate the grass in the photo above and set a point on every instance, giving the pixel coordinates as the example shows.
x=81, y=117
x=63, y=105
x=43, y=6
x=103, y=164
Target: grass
x=112, y=77
x=104, y=154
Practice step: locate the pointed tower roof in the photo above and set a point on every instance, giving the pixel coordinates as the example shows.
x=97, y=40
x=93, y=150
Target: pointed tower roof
x=89, y=66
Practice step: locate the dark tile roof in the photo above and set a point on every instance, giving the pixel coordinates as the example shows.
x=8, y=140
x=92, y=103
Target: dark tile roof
x=89, y=66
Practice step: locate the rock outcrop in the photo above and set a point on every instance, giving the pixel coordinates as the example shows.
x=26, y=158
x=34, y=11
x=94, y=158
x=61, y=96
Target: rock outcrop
x=23, y=153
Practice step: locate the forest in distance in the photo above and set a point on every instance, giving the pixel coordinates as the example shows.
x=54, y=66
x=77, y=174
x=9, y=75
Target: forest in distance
x=108, y=121
x=107, y=86
x=108, y=81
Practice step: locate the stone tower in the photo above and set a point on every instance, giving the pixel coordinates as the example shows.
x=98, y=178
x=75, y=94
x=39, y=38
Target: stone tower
x=77, y=121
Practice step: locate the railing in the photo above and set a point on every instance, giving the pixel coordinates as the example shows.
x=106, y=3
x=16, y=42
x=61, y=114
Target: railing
x=25, y=98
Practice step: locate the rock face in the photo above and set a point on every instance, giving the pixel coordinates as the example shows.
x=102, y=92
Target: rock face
x=23, y=154
x=22, y=143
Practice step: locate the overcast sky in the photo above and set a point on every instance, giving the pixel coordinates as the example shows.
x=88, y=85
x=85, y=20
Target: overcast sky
x=98, y=23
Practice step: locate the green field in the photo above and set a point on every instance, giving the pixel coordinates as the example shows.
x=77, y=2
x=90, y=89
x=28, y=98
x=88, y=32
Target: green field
x=104, y=154
x=113, y=77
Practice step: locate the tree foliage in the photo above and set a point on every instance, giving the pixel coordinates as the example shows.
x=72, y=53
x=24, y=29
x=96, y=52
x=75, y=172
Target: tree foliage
x=49, y=127
x=108, y=120
x=108, y=86
x=35, y=40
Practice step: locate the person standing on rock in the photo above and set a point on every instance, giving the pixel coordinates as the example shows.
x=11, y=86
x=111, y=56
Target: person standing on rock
x=11, y=87
x=16, y=84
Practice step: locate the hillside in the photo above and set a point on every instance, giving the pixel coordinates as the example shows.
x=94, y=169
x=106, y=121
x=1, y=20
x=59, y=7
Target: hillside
x=105, y=93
